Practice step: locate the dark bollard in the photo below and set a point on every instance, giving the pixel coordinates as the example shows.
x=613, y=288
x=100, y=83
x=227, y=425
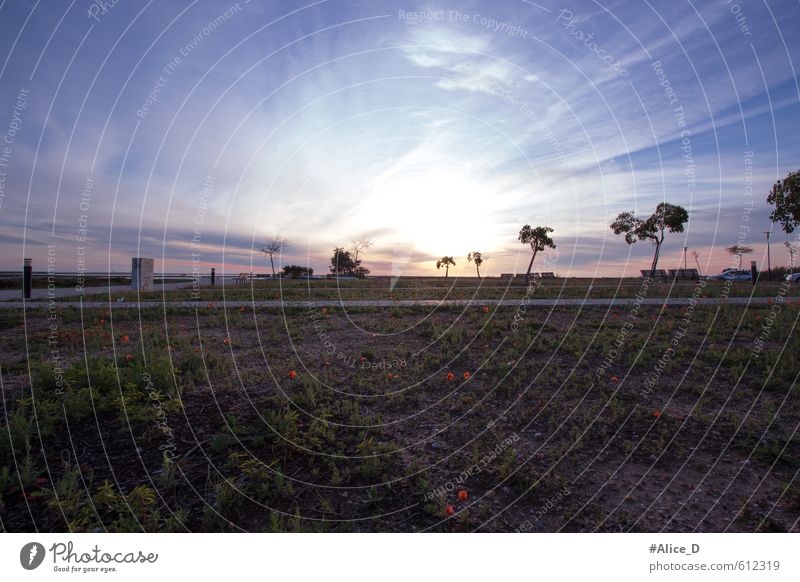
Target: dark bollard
x=27, y=278
x=753, y=272
x=213, y=275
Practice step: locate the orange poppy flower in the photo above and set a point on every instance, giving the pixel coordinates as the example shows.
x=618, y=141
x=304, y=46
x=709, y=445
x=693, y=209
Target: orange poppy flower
x=656, y=413
x=292, y=374
x=226, y=341
x=466, y=375
x=462, y=495
x=125, y=338
x=449, y=510
x=486, y=310
x=450, y=376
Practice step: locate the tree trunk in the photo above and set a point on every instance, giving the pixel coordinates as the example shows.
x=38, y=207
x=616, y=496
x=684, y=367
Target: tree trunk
x=272, y=264
x=655, y=260
x=446, y=270
x=477, y=268
x=530, y=266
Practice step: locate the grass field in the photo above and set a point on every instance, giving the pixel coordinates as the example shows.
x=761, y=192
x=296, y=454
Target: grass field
x=639, y=418
x=428, y=288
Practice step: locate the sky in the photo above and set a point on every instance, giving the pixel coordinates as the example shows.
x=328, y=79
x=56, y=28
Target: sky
x=188, y=131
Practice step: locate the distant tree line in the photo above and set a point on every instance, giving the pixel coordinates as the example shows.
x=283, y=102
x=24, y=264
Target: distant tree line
x=784, y=197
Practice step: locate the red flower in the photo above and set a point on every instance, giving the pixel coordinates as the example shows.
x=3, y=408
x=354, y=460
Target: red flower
x=614, y=379
x=226, y=341
x=390, y=376
x=197, y=349
x=449, y=510
x=292, y=374
x=462, y=495
x=466, y=375
x=241, y=309
x=102, y=322
x=486, y=310
x=125, y=338
x=129, y=357
x=656, y=413
x=450, y=376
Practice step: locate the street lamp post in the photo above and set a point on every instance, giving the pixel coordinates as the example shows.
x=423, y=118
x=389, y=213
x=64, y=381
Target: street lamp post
x=767, y=233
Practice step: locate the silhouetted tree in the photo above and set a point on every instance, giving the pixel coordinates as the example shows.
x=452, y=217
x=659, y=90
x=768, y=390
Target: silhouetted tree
x=539, y=239
x=477, y=257
x=343, y=264
x=295, y=271
x=445, y=262
x=361, y=243
x=667, y=217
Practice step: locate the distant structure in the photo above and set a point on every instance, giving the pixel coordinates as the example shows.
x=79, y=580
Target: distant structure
x=141, y=274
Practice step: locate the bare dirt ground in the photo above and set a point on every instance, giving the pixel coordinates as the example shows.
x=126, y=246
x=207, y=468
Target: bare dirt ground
x=615, y=418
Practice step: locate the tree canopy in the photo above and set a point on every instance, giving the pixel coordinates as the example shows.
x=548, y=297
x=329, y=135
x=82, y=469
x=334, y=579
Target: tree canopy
x=344, y=265
x=539, y=239
x=667, y=217
x=785, y=197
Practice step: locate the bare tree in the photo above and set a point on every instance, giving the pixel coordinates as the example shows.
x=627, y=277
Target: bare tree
x=793, y=248
x=696, y=257
x=361, y=243
x=739, y=250
x=274, y=246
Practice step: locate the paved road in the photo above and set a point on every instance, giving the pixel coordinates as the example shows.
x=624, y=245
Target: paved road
x=676, y=301
x=42, y=293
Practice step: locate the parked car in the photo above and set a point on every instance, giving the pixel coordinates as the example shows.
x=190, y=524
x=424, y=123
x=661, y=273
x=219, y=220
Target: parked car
x=793, y=278
x=731, y=275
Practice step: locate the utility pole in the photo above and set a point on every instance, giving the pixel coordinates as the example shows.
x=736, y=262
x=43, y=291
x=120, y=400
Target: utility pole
x=767, y=233
x=684, y=257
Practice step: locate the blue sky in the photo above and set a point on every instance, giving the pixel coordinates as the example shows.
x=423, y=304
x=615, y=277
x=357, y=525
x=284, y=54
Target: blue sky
x=434, y=128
